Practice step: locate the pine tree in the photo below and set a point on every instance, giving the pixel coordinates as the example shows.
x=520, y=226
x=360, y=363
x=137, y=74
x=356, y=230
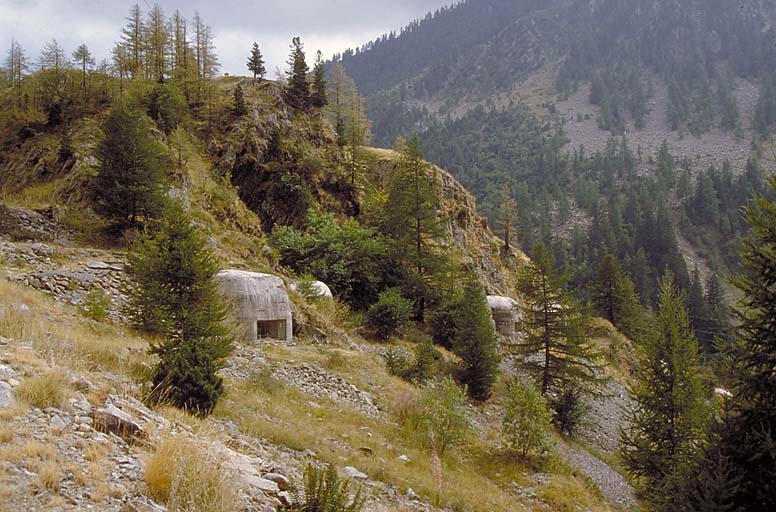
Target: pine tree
x=297, y=90
x=556, y=330
x=749, y=437
x=507, y=217
x=175, y=296
x=475, y=341
x=239, y=101
x=669, y=414
x=614, y=296
x=256, y=63
x=411, y=222
x=318, y=97
x=129, y=183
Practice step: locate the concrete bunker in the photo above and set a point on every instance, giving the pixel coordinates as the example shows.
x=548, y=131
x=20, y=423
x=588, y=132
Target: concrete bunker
x=506, y=314
x=261, y=303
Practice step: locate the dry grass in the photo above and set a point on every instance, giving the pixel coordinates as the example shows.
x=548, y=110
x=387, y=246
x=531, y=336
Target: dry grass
x=47, y=390
x=183, y=475
x=62, y=338
x=14, y=324
x=49, y=476
x=6, y=435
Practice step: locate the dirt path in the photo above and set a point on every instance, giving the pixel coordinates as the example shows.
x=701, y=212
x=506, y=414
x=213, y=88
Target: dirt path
x=613, y=486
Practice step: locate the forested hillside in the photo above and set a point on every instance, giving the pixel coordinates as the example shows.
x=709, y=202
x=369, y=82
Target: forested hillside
x=636, y=127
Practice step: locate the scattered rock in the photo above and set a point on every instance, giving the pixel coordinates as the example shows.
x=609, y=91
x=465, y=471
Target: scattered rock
x=280, y=480
x=404, y=458
x=285, y=499
x=112, y=420
x=142, y=505
x=6, y=396
x=367, y=451
x=355, y=474
x=318, y=382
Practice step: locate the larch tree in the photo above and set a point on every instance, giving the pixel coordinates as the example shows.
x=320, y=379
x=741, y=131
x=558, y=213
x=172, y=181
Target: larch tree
x=614, y=296
x=557, y=351
x=132, y=39
x=156, y=41
x=53, y=56
x=297, y=92
x=83, y=57
x=669, y=415
x=15, y=63
x=411, y=221
x=337, y=92
x=256, y=63
x=507, y=217
x=182, y=58
x=318, y=97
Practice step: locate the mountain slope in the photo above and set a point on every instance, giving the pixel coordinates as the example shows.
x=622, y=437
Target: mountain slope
x=569, y=103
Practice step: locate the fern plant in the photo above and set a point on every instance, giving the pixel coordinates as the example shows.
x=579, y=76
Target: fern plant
x=324, y=491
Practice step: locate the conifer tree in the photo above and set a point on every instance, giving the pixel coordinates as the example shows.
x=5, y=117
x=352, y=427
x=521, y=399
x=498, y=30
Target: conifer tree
x=297, y=90
x=132, y=38
x=555, y=330
x=614, y=296
x=84, y=58
x=239, y=101
x=475, y=341
x=669, y=414
x=129, y=183
x=156, y=39
x=256, y=63
x=175, y=296
x=15, y=63
x=53, y=56
x=411, y=222
x=749, y=437
x=318, y=97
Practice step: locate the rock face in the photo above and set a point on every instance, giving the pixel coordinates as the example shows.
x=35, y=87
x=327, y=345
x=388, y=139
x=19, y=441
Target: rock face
x=261, y=302
x=506, y=314
x=26, y=224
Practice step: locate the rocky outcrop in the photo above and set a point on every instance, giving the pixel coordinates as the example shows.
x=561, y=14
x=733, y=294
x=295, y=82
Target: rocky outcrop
x=467, y=233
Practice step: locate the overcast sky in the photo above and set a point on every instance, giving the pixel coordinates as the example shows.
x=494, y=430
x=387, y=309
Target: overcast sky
x=328, y=25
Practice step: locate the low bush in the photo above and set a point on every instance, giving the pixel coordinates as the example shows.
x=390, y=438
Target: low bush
x=527, y=421
x=96, y=305
x=390, y=315
x=569, y=411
